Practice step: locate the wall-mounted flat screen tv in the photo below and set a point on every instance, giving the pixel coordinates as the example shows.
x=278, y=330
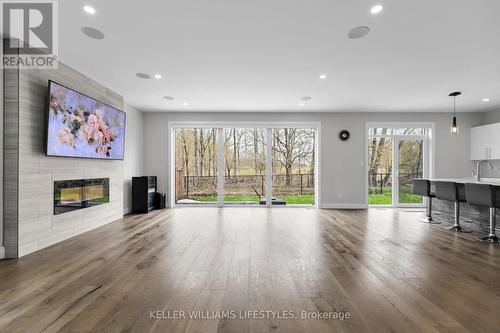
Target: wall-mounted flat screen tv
x=80, y=126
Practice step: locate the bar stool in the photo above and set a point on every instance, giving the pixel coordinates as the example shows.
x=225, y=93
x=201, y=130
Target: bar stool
x=423, y=187
x=450, y=191
x=484, y=195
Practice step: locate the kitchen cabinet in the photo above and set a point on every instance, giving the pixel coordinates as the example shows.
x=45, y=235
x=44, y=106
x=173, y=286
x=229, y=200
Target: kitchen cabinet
x=485, y=142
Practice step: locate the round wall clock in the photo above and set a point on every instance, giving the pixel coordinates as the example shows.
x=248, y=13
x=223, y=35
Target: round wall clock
x=344, y=135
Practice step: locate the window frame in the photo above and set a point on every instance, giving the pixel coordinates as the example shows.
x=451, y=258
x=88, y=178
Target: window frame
x=428, y=160
x=220, y=126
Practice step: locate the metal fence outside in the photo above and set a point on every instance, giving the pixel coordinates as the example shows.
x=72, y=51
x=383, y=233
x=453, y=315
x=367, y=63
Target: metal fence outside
x=378, y=181
x=200, y=186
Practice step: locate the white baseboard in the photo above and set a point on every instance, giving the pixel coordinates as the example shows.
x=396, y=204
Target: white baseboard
x=344, y=206
x=2, y=252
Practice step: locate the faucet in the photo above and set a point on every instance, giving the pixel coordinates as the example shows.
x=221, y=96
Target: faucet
x=478, y=164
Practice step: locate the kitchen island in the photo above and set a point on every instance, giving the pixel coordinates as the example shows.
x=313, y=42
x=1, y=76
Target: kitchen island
x=489, y=181
x=471, y=216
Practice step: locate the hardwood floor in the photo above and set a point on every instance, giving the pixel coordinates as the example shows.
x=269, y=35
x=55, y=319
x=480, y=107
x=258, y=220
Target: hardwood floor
x=390, y=272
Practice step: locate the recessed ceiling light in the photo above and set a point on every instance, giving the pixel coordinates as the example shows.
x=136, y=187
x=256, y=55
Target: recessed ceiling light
x=157, y=76
x=89, y=10
x=92, y=33
x=358, y=32
x=486, y=99
x=376, y=9
x=168, y=98
x=143, y=76
x=323, y=76
x=301, y=104
x=185, y=104
x=307, y=98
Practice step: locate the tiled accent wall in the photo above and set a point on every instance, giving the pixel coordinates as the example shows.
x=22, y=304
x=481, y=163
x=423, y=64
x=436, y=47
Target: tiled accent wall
x=10, y=161
x=37, y=226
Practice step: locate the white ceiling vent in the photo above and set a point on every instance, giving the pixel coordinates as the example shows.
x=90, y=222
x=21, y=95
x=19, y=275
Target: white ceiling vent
x=358, y=32
x=92, y=33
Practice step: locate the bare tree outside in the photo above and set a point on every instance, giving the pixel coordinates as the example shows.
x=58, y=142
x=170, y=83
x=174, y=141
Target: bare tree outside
x=380, y=166
x=244, y=152
x=293, y=154
x=244, y=164
x=195, y=162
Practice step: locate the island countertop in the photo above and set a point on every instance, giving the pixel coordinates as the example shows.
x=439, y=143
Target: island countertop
x=489, y=181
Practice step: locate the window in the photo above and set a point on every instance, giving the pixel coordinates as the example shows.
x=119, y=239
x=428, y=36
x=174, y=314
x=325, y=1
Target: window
x=293, y=164
x=396, y=155
x=236, y=166
x=384, y=131
x=244, y=165
x=196, y=169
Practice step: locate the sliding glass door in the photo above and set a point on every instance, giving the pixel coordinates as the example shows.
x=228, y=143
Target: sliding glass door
x=259, y=166
x=244, y=165
x=380, y=170
x=293, y=165
x=395, y=157
x=410, y=165
x=196, y=170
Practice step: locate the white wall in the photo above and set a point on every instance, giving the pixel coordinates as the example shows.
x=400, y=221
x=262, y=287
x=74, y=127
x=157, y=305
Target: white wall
x=134, y=153
x=343, y=180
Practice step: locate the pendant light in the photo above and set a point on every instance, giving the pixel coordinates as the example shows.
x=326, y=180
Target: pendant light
x=454, y=126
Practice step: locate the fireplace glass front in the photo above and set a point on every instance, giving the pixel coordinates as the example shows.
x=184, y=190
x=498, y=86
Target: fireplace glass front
x=76, y=194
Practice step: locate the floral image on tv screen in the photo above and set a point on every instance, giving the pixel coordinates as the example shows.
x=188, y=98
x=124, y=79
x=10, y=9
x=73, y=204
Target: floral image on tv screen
x=80, y=126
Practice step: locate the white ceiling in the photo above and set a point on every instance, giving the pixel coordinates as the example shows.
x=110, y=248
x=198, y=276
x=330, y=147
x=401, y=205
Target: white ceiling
x=264, y=55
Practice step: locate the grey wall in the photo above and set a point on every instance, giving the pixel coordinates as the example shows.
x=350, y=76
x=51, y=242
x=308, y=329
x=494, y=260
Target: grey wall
x=37, y=226
x=11, y=161
x=134, y=153
x=491, y=117
x=342, y=163
x=2, y=249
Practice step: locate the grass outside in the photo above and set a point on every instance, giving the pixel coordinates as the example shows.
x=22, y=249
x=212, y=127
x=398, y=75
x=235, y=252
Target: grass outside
x=385, y=198
x=289, y=199
x=374, y=198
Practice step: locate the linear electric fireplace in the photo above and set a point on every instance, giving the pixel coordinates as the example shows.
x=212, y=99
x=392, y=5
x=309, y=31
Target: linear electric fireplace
x=76, y=194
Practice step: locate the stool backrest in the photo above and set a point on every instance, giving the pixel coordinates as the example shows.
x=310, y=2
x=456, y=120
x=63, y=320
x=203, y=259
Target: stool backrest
x=421, y=187
x=480, y=194
x=446, y=191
